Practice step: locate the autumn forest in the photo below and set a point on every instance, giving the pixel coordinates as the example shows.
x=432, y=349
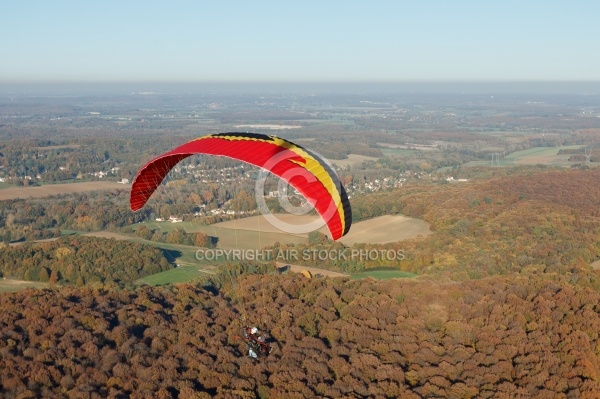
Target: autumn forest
x=501, y=298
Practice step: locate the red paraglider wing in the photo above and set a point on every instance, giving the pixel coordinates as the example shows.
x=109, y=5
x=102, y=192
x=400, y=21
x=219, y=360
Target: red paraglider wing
x=302, y=169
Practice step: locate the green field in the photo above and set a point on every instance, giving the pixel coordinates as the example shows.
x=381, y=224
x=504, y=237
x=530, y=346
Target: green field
x=229, y=238
x=5, y=185
x=167, y=227
x=182, y=254
x=397, y=151
x=539, y=152
x=533, y=156
x=503, y=162
x=180, y=274
x=383, y=274
x=67, y=181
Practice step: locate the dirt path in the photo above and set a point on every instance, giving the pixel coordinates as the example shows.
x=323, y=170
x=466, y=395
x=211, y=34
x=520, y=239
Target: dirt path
x=107, y=234
x=8, y=285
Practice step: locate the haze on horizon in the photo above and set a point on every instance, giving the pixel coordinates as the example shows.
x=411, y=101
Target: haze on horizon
x=310, y=41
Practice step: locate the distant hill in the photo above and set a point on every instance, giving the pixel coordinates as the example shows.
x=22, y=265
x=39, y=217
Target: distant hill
x=521, y=221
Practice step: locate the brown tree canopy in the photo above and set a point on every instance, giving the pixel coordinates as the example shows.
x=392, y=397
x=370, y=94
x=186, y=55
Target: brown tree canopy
x=518, y=220
x=491, y=338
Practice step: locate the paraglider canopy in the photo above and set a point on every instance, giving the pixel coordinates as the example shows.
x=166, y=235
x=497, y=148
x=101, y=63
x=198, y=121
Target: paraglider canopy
x=304, y=170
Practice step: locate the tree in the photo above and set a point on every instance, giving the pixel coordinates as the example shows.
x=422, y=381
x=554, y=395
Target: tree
x=316, y=237
x=174, y=237
x=54, y=277
x=202, y=240
x=144, y=232
x=10, y=220
x=43, y=275
x=6, y=237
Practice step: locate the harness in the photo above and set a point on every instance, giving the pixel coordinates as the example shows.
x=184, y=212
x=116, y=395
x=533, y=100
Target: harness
x=260, y=349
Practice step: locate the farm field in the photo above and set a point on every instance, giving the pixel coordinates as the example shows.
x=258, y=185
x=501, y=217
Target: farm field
x=419, y=147
x=187, y=273
x=268, y=126
x=384, y=229
x=353, y=159
x=238, y=234
x=5, y=185
x=56, y=189
x=533, y=156
x=542, y=155
x=260, y=223
x=243, y=234
x=379, y=230
x=397, y=151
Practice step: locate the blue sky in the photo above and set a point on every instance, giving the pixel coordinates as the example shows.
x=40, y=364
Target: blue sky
x=304, y=40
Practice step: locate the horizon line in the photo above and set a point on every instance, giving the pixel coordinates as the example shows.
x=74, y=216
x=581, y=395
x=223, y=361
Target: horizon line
x=259, y=81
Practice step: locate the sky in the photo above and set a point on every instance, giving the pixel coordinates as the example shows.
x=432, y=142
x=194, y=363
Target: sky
x=282, y=41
